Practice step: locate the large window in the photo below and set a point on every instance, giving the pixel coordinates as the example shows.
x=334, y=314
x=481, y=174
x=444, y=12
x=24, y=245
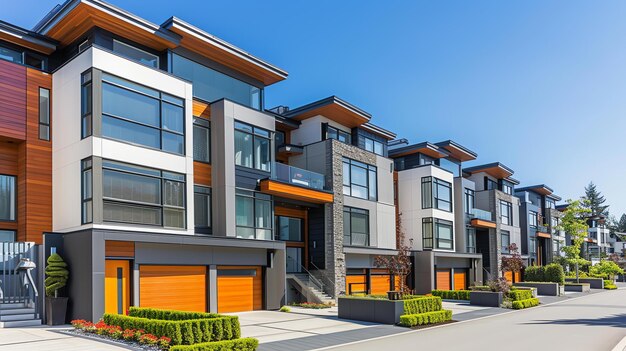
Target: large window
x=359, y=179
x=202, y=209
x=470, y=239
x=505, y=241
x=86, y=104
x=44, y=114
x=469, y=200
x=23, y=57
x=532, y=219
x=201, y=140
x=10, y=55
x=87, y=190
x=252, y=147
x=8, y=198
x=490, y=184
x=437, y=234
x=135, y=54
x=451, y=166
x=338, y=134
x=140, y=115
x=374, y=146
x=556, y=247
x=506, y=212
x=532, y=248
x=289, y=229
x=550, y=203
x=507, y=187
x=140, y=195
x=356, y=227
x=7, y=235
x=253, y=213
x=211, y=85
x=436, y=193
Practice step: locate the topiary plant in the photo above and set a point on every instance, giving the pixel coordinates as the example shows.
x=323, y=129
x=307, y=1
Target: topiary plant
x=57, y=274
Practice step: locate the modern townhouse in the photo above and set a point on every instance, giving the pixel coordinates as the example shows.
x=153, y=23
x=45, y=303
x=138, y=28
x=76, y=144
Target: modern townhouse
x=539, y=220
x=598, y=242
x=494, y=192
x=436, y=209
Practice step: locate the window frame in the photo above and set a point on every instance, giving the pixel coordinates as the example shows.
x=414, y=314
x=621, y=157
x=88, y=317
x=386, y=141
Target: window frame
x=533, y=219
x=11, y=231
x=372, y=194
x=206, y=125
x=86, y=165
x=337, y=132
x=14, y=200
x=255, y=132
x=374, y=142
x=509, y=212
x=470, y=233
x=277, y=226
x=256, y=197
x=505, y=234
x=44, y=124
x=203, y=191
x=431, y=185
x=158, y=59
x=532, y=246
x=430, y=233
x=86, y=110
x=349, y=211
x=469, y=200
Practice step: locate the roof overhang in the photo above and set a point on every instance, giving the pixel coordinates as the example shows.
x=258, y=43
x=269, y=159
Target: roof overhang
x=481, y=223
x=425, y=148
x=26, y=38
x=496, y=170
x=544, y=235
x=458, y=151
x=332, y=108
x=374, y=129
x=540, y=189
x=294, y=192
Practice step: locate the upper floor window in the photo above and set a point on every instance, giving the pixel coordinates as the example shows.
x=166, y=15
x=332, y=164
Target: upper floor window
x=11, y=55
x=554, y=223
x=374, y=146
x=253, y=215
x=141, y=115
x=289, y=228
x=532, y=248
x=507, y=187
x=201, y=140
x=556, y=247
x=211, y=85
x=136, y=54
x=7, y=236
x=490, y=184
x=202, y=209
x=359, y=179
x=436, y=193
x=356, y=227
x=86, y=104
x=506, y=212
x=44, y=114
x=8, y=198
x=437, y=234
x=469, y=200
x=550, y=203
x=280, y=138
x=252, y=147
x=451, y=166
x=470, y=240
x=505, y=241
x=532, y=219
x=23, y=57
x=337, y=134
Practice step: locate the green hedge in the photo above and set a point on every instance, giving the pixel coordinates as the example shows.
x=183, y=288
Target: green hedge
x=452, y=294
x=610, y=286
x=182, y=332
x=244, y=344
x=532, y=302
x=534, y=274
x=169, y=315
x=422, y=305
x=517, y=295
x=554, y=273
x=411, y=320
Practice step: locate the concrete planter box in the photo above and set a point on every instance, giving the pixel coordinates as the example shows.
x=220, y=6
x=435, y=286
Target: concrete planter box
x=582, y=287
x=548, y=289
x=486, y=298
x=533, y=290
x=371, y=310
x=594, y=283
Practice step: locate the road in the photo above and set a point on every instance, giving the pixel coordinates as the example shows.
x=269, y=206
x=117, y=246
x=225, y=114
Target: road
x=592, y=322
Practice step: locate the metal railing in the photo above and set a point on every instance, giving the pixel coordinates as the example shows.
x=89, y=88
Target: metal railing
x=481, y=214
x=330, y=281
x=297, y=176
x=12, y=282
x=542, y=229
x=312, y=280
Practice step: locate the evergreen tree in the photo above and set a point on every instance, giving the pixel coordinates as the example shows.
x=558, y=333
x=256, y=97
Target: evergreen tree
x=595, y=201
x=621, y=225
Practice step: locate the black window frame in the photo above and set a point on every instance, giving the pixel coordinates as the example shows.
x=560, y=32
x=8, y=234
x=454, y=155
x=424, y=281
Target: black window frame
x=470, y=236
x=430, y=194
x=374, y=143
x=533, y=216
x=337, y=134
x=372, y=194
x=256, y=197
x=86, y=207
x=14, y=200
x=277, y=228
x=86, y=104
x=469, y=200
x=430, y=233
x=505, y=234
x=43, y=124
x=509, y=212
x=532, y=246
x=349, y=211
x=255, y=133
x=205, y=191
x=204, y=124
x=491, y=184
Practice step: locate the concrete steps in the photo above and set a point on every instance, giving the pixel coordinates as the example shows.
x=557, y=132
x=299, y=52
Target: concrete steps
x=13, y=315
x=313, y=294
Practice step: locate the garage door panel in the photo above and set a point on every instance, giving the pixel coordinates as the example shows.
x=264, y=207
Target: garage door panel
x=443, y=279
x=380, y=284
x=239, y=289
x=508, y=276
x=460, y=280
x=180, y=288
x=356, y=284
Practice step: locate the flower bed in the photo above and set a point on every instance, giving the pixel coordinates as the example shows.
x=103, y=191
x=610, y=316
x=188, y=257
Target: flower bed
x=129, y=335
x=452, y=294
x=312, y=305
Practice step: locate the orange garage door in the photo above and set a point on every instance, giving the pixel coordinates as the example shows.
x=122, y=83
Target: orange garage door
x=356, y=284
x=460, y=280
x=239, y=288
x=180, y=288
x=508, y=275
x=518, y=277
x=380, y=284
x=443, y=279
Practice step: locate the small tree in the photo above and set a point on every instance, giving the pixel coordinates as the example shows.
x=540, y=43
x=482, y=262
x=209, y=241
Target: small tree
x=606, y=269
x=57, y=275
x=513, y=263
x=398, y=265
x=574, y=224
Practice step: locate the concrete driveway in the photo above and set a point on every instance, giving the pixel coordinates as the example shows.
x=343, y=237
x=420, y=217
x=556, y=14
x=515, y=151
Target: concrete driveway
x=45, y=338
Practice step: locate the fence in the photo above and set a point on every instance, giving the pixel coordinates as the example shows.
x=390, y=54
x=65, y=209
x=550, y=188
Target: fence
x=12, y=285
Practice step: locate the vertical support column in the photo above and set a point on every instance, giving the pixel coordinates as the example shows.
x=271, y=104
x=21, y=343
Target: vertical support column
x=98, y=267
x=213, y=288
x=135, y=289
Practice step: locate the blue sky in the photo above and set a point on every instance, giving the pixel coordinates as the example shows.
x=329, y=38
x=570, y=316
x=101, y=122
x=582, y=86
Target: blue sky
x=539, y=86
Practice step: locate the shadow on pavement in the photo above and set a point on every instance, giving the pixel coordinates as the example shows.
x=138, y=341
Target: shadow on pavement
x=618, y=320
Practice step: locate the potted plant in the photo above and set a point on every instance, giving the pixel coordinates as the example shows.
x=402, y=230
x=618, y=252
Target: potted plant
x=57, y=275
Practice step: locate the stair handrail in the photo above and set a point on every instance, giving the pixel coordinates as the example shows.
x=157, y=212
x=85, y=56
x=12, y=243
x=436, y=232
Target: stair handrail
x=323, y=275
x=312, y=278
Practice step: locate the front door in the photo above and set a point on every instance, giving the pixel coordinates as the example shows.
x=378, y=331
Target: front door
x=116, y=286
x=294, y=259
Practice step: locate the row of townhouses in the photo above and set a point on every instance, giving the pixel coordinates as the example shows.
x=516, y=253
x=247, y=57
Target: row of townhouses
x=145, y=156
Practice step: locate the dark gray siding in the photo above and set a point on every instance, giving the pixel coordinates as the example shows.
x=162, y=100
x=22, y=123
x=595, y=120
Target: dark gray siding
x=316, y=237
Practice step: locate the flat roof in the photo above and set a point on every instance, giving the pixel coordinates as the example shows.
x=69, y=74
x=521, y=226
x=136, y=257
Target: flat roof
x=541, y=189
x=372, y=128
x=26, y=38
x=457, y=150
x=425, y=148
x=494, y=169
x=333, y=108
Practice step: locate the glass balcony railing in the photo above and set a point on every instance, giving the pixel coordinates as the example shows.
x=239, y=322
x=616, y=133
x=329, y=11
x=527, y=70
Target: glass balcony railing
x=297, y=176
x=542, y=228
x=482, y=214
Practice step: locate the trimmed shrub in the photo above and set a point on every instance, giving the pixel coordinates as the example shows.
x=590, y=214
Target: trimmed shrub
x=610, y=286
x=554, y=273
x=480, y=288
x=532, y=302
x=518, y=295
x=411, y=320
x=534, y=274
x=244, y=344
x=452, y=294
x=168, y=315
x=422, y=305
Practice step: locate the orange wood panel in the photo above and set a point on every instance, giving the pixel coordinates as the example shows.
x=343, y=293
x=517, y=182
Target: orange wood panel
x=356, y=284
x=12, y=100
x=544, y=235
x=380, y=284
x=518, y=277
x=289, y=212
x=396, y=283
x=201, y=109
x=336, y=112
x=180, y=288
x=508, y=275
x=443, y=279
x=295, y=192
x=113, y=248
x=111, y=286
x=238, y=293
x=460, y=280
x=479, y=223
x=201, y=173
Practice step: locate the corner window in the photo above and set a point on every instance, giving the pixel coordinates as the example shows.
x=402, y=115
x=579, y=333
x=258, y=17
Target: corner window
x=505, y=241
x=337, y=134
x=506, y=212
x=532, y=219
x=135, y=54
x=10, y=55
x=87, y=190
x=202, y=209
x=8, y=198
x=507, y=187
x=356, y=227
x=86, y=104
x=437, y=234
x=469, y=200
x=374, y=146
x=359, y=179
x=253, y=214
x=44, y=114
x=252, y=147
x=436, y=193
x=201, y=140
x=490, y=184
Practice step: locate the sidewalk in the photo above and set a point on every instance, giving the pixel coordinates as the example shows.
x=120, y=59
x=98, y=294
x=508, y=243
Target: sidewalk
x=45, y=338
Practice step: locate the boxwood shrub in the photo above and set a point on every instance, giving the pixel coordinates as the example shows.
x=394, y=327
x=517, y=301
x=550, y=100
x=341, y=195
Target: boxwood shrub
x=517, y=295
x=244, y=344
x=422, y=305
x=534, y=274
x=452, y=294
x=532, y=302
x=168, y=315
x=411, y=320
x=554, y=273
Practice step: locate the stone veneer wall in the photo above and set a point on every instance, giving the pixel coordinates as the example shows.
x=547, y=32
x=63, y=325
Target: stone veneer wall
x=495, y=244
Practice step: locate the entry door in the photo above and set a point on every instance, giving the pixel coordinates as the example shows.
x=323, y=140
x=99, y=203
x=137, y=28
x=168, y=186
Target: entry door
x=294, y=259
x=116, y=286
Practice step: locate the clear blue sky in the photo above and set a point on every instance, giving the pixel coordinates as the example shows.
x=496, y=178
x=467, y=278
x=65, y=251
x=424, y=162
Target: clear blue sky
x=537, y=85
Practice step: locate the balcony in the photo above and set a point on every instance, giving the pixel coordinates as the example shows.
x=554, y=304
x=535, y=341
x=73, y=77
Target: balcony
x=296, y=183
x=481, y=219
x=542, y=232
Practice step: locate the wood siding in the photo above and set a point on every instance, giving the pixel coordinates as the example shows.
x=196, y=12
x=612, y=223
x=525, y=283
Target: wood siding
x=201, y=173
x=180, y=288
x=112, y=286
x=380, y=284
x=12, y=100
x=238, y=293
x=443, y=279
x=460, y=280
x=356, y=284
x=114, y=248
x=201, y=109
